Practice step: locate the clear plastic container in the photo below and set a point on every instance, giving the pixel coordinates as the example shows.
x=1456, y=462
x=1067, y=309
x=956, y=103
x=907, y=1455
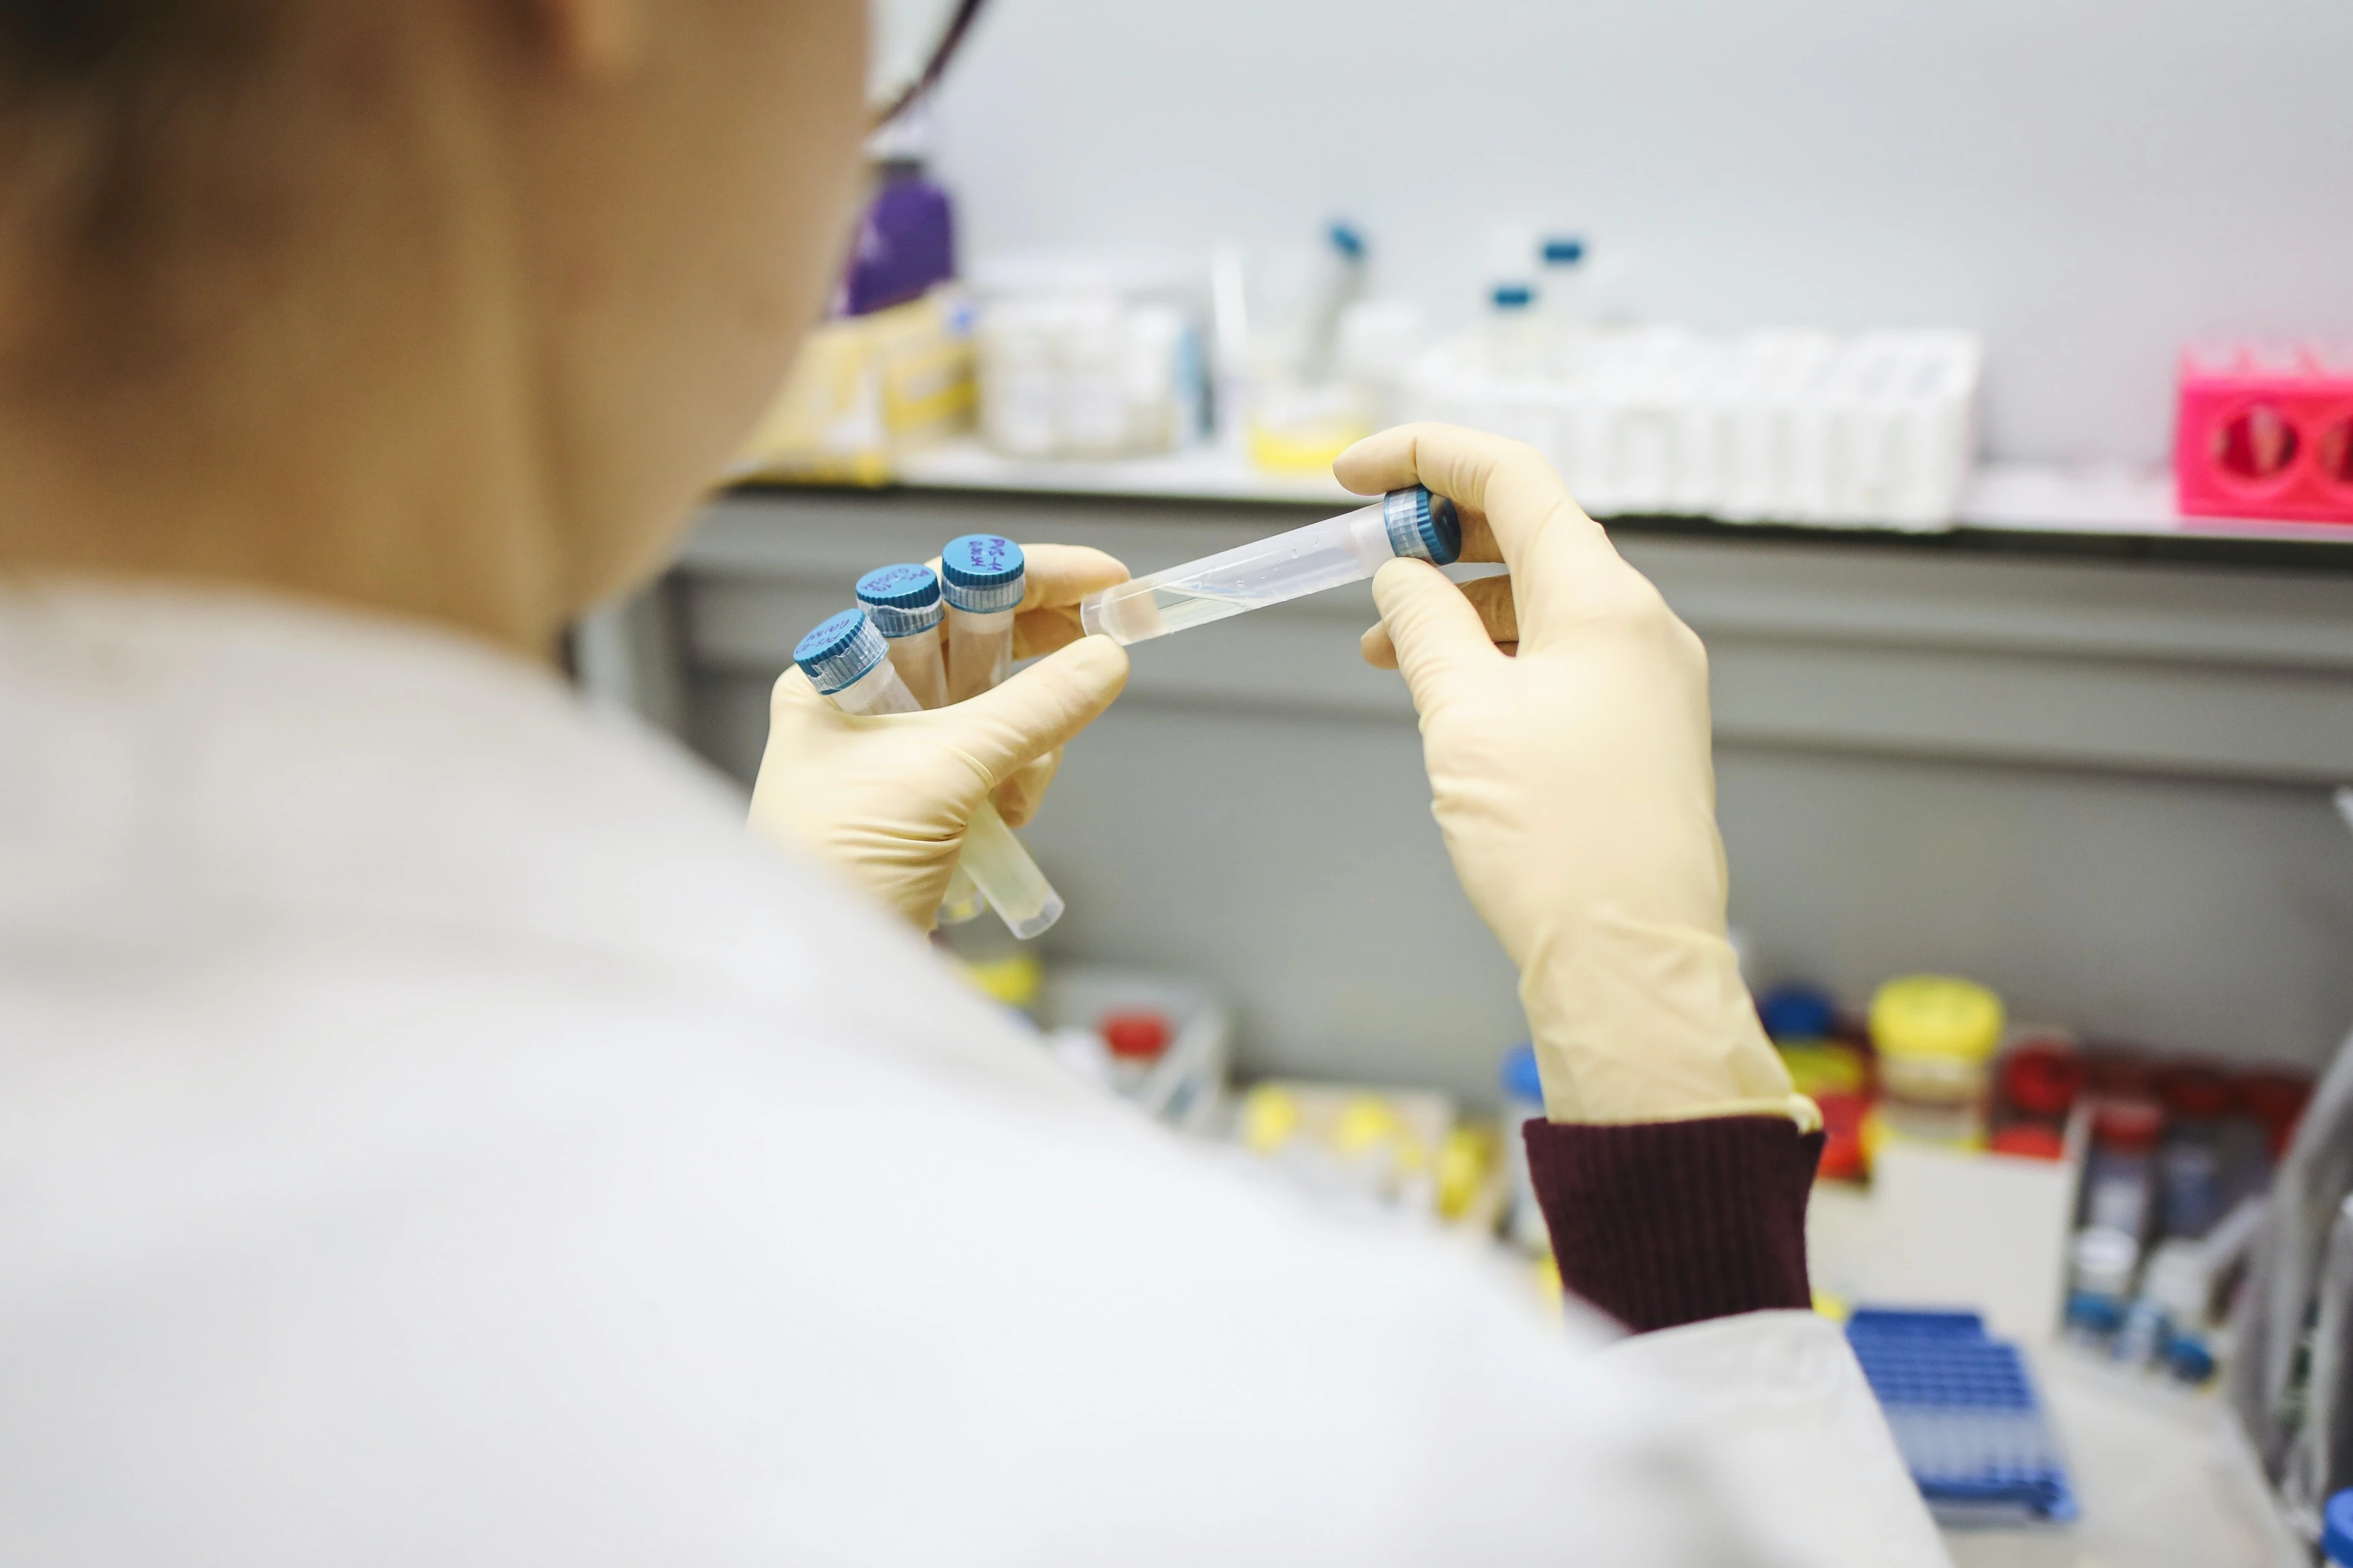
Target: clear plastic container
x=849, y=662
x=1345, y=548
x=982, y=576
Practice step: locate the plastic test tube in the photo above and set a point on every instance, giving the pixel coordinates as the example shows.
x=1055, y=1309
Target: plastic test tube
x=1345, y=548
x=903, y=603
x=982, y=576
x=848, y=660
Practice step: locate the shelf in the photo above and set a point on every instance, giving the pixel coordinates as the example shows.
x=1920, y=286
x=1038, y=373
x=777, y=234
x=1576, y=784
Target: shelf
x=1200, y=473
x=2111, y=502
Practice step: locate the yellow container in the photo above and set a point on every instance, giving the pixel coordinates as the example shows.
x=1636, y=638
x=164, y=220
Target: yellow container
x=1936, y=1035
x=865, y=388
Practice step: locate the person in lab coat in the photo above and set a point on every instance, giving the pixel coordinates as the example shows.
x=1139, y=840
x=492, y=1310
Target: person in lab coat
x=433, y=1130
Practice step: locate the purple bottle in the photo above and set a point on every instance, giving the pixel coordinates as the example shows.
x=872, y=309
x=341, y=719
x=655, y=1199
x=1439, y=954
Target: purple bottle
x=906, y=241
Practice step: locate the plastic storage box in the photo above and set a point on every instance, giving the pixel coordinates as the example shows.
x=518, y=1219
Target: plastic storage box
x=1965, y=1415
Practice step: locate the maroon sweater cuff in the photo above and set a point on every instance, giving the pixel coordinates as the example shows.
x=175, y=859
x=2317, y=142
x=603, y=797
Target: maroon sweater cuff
x=1660, y=1223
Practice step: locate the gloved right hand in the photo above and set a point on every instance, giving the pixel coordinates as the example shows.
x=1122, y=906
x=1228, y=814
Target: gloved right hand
x=1574, y=785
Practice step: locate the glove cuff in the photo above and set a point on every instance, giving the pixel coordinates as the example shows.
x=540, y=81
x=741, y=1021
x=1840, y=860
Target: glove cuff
x=1635, y=1021
x=1665, y=1223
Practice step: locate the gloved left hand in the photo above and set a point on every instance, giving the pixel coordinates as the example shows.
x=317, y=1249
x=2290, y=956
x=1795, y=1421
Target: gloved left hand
x=886, y=798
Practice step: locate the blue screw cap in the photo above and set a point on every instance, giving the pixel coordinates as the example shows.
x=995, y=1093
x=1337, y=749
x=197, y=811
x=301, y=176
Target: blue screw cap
x=903, y=600
x=841, y=649
x=1422, y=525
x=982, y=574
x=1346, y=240
x=1513, y=297
x=1565, y=250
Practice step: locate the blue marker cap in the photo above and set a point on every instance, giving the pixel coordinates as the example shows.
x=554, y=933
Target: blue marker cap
x=2336, y=1528
x=1564, y=252
x=842, y=648
x=981, y=574
x=1422, y=525
x=1519, y=1077
x=1513, y=297
x=903, y=600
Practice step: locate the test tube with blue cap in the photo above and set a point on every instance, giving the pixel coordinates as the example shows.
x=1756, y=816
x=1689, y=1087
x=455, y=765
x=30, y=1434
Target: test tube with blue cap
x=982, y=575
x=903, y=602
x=849, y=662
x=1409, y=523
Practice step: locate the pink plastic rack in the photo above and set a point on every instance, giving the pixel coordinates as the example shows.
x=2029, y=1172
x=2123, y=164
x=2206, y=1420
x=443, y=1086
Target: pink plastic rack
x=2265, y=432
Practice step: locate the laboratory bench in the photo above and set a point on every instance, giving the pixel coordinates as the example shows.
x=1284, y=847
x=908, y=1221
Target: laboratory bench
x=2075, y=747
x=2164, y=1479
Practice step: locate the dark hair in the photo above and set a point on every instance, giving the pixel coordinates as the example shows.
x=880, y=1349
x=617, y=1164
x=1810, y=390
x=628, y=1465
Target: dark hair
x=106, y=107
x=53, y=44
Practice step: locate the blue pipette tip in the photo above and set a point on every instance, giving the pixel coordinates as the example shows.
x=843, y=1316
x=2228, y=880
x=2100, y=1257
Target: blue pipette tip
x=982, y=574
x=1422, y=525
x=842, y=648
x=903, y=600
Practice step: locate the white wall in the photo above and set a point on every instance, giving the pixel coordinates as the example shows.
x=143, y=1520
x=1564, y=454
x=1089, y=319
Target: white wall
x=2086, y=183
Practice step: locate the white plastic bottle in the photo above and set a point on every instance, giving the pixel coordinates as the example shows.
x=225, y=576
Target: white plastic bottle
x=1567, y=299
x=1512, y=332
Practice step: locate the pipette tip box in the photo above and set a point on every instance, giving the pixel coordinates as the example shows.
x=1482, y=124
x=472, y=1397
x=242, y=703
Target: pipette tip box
x=1966, y=1418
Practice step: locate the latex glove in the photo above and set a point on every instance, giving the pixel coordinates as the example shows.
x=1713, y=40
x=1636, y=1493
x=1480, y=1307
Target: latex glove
x=886, y=798
x=1573, y=786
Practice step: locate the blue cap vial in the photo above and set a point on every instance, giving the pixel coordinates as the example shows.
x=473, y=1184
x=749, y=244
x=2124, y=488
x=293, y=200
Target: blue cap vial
x=1512, y=297
x=982, y=574
x=841, y=649
x=1422, y=525
x=1565, y=250
x=902, y=600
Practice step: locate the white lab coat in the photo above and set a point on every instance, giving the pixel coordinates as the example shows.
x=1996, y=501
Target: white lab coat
x=431, y=1132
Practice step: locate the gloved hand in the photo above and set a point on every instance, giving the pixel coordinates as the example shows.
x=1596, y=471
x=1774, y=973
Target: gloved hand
x=887, y=797
x=1573, y=783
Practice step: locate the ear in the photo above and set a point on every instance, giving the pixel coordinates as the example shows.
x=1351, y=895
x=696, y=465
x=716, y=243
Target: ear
x=585, y=39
